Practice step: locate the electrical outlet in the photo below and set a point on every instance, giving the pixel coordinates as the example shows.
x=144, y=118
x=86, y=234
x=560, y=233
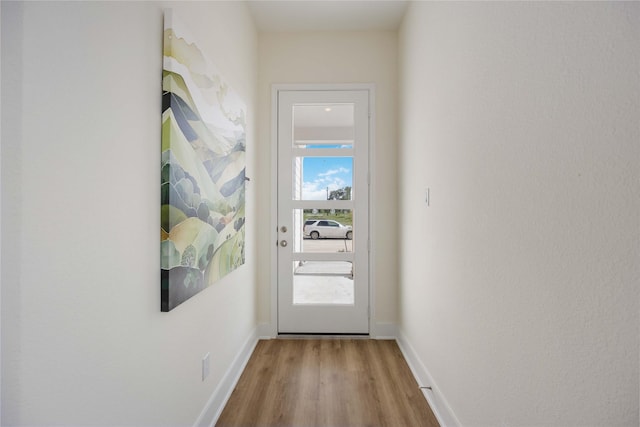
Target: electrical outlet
x=205, y=366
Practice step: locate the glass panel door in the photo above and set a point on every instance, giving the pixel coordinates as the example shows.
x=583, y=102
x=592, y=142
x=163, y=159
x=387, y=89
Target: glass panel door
x=323, y=161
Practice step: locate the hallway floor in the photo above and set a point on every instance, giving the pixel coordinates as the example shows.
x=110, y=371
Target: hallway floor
x=327, y=382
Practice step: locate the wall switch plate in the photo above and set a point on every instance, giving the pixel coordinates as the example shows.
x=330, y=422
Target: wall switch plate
x=205, y=366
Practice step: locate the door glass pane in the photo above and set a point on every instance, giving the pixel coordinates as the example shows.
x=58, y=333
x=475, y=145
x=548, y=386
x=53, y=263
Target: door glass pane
x=334, y=146
x=323, y=178
x=323, y=282
x=323, y=125
x=323, y=230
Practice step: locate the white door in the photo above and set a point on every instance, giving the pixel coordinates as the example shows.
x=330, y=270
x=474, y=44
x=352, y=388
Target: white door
x=323, y=211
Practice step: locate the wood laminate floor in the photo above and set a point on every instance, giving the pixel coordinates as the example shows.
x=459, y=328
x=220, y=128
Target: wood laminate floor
x=327, y=382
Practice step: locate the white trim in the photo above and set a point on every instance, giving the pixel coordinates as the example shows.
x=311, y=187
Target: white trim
x=372, y=211
x=272, y=329
x=384, y=331
x=216, y=403
x=1, y=231
x=274, y=211
x=437, y=401
x=265, y=331
x=322, y=152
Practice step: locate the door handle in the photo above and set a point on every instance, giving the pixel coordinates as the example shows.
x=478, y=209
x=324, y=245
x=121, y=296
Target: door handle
x=283, y=243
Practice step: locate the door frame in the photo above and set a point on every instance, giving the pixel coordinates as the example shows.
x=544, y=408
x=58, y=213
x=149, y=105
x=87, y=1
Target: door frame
x=272, y=329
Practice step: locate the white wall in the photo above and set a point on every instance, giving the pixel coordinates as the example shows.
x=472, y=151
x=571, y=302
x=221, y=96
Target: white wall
x=519, y=284
x=83, y=339
x=336, y=57
x=0, y=231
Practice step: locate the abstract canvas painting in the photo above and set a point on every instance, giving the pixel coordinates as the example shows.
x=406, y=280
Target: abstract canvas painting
x=202, y=170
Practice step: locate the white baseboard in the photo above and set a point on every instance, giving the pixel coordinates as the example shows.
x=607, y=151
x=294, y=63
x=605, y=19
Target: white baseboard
x=379, y=331
x=384, y=331
x=266, y=331
x=437, y=401
x=216, y=403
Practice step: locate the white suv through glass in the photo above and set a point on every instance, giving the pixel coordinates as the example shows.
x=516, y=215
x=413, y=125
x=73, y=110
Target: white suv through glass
x=326, y=229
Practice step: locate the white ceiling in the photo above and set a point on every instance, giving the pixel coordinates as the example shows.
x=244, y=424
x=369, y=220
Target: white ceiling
x=327, y=15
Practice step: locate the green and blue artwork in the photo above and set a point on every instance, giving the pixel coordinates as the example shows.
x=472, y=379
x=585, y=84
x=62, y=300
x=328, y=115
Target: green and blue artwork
x=202, y=171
